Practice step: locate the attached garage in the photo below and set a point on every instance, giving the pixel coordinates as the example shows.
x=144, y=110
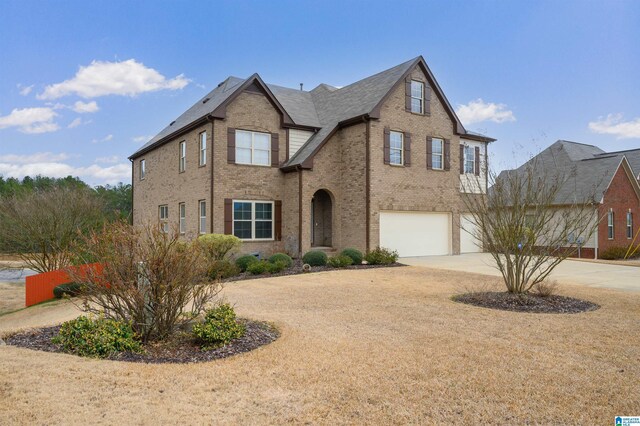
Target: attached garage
x=416, y=233
x=469, y=241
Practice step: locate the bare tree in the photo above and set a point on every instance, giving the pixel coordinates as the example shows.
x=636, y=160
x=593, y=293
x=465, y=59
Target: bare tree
x=40, y=226
x=146, y=276
x=526, y=226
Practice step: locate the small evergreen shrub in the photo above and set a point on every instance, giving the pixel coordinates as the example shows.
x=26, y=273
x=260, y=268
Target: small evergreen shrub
x=243, y=262
x=282, y=258
x=613, y=253
x=218, y=246
x=97, y=338
x=70, y=289
x=381, y=256
x=315, y=258
x=218, y=328
x=277, y=266
x=259, y=267
x=340, y=261
x=355, y=255
x=221, y=269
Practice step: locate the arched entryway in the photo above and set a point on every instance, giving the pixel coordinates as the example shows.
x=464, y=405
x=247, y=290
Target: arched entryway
x=321, y=219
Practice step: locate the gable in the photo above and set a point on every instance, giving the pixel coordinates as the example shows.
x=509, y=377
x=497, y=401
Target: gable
x=623, y=185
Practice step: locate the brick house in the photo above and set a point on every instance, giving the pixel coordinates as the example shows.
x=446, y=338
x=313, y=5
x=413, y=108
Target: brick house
x=377, y=162
x=610, y=180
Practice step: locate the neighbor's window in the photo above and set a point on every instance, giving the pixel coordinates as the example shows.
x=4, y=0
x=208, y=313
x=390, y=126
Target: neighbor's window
x=469, y=159
x=143, y=169
x=396, y=141
x=629, y=225
x=183, y=157
x=202, y=207
x=610, y=224
x=253, y=148
x=183, y=217
x=253, y=220
x=437, y=149
x=417, y=96
x=163, y=215
x=203, y=148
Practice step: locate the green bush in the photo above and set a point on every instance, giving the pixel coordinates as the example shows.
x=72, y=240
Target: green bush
x=283, y=258
x=277, y=266
x=243, y=262
x=218, y=246
x=616, y=252
x=219, y=327
x=340, y=261
x=221, y=269
x=97, y=338
x=355, y=255
x=381, y=256
x=70, y=289
x=259, y=267
x=315, y=258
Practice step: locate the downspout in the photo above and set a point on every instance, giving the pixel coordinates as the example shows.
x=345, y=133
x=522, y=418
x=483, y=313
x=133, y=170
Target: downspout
x=211, y=119
x=299, y=168
x=367, y=179
x=132, y=180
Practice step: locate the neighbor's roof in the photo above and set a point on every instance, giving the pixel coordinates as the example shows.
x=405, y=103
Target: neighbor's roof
x=585, y=169
x=323, y=109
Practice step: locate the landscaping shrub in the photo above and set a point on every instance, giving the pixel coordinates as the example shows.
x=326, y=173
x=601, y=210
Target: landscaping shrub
x=277, y=266
x=340, y=261
x=219, y=327
x=613, y=253
x=221, y=269
x=259, y=267
x=283, y=258
x=243, y=262
x=218, y=246
x=315, y=258
x=355, y=255
x=70, y=289
x=381, y=256
x=97, y=338
x=546, y=288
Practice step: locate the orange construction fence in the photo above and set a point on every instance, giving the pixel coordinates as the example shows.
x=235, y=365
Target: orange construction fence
x=39, y=287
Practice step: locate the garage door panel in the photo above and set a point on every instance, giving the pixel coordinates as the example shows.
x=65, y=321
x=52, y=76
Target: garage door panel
x=416, y=233
x=469, y=241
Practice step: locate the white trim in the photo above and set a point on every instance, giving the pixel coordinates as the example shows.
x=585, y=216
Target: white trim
x=253, y=149
x=434, y=154
x=421, y=98
x=253, y=219
x=465, y=159
x=611, y=224
x=182, y=157
x=182, y=220
x=629, y=227
x=201, y=218
x=202, y=151
x=391, y=149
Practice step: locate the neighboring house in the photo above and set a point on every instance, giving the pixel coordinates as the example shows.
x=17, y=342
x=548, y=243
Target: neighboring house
x=610, y=180
x=377, y=162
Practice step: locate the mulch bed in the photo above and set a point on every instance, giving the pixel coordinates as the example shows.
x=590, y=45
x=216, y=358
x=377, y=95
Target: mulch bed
x=181, y=349
x=526, y=303
x=296, y=269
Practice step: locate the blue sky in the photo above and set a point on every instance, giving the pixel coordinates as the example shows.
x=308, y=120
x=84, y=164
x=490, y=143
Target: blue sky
x=84, y=84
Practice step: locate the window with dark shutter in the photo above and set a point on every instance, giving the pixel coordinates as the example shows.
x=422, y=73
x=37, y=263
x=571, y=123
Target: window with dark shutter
x=429, y=153
x=387, y=145
x=231, y=146
x=407, y=149
x=447, y=154
x=461, y=159
x=278, y=220
x=407, y=94
x=477, y=165
x=228, y=216
x=275, y=149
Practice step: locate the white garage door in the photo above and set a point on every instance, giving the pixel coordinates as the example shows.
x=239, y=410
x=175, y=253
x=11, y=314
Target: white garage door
x=416, y=233
x=469, y=242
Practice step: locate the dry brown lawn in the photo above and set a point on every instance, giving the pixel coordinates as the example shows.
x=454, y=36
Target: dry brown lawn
x=11, y=297
x=370, y=346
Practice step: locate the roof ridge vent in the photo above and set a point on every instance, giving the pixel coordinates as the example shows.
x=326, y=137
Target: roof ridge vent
x=172, y=123
x=205, y=100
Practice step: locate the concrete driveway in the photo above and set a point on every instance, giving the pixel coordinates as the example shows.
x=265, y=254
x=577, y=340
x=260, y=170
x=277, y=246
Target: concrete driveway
x=619, y=277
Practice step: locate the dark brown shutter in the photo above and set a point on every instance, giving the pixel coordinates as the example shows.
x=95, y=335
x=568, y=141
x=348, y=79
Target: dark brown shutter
x=278, y=220
x=477, y=161
x=387, y=145
x=407, y=149
x=231, y=145
x=429, y=153
x=275, y=149
x=228, y=216
x=461, y=159
x=407, y=94
x=427, y=99
x=447, y=154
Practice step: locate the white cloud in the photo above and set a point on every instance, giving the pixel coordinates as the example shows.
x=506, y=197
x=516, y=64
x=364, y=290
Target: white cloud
x=37, y=157
x=108, y=160
x=127, y=78
x=105, y=139
x=141, y=139
x=75, y=123
x=25, y=90
x=93, y=174
x=31, y=120
x=85, y=107
x=612, y=124
x=478, y=110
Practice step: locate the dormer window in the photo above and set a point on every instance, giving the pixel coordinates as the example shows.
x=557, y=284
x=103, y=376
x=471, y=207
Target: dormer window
x=417, y=97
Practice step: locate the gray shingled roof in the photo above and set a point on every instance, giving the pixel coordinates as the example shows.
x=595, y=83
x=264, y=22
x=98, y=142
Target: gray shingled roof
x=586, y=169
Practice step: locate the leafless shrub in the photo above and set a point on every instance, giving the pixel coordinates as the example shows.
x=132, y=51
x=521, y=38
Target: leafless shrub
x=546, y=288
x=148, y=277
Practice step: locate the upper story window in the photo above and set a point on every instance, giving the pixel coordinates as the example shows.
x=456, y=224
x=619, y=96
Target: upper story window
x=610, y=225
x=629, y=225
x=253, y=220
x=253, y=148
x=437, y=153
x=182, y=208
x=163, y=215
x=396, y=148
x=469, y=159
x=202, y=225
x=143, y=169
x=203, y=148
x=417, y=96
x=183, y=157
